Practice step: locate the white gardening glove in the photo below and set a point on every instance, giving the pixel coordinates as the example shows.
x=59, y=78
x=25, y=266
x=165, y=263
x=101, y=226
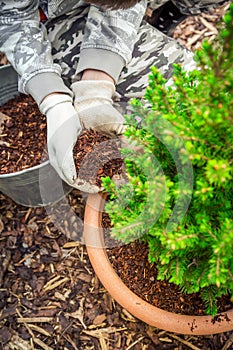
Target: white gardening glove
x=63, y=129
x=93, y=102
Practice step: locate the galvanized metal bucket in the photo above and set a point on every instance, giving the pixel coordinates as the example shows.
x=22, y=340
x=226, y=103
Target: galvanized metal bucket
x=36, y=186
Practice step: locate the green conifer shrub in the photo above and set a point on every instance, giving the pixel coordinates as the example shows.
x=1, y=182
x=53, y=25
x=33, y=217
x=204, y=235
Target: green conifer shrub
x=179, y=196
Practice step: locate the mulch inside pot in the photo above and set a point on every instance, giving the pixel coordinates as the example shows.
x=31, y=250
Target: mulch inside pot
x=131, y=263
x=23, y=142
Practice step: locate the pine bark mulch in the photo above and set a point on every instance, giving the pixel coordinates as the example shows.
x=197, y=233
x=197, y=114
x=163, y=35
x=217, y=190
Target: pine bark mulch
x=50, y=297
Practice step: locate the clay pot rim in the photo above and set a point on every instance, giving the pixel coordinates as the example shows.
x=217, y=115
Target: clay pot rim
x=154, y=316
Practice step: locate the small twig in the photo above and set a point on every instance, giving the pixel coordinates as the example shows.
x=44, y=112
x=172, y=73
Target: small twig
x=228, y=343
x=39, y=330
x=109, y=330
x=34, y=319
x=5, y=265
x=209, y=25
x=25, y=325
x=50, y=286
x=185, y=342
x=42, y=344
x=71, y=245
x=67, y=337
x=103, y=343
x=27, y=214
x=25, y=258
x=134, y=343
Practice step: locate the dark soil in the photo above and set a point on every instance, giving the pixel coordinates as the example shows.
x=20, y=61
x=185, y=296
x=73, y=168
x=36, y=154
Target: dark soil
x=132, y=265
x=50, y=297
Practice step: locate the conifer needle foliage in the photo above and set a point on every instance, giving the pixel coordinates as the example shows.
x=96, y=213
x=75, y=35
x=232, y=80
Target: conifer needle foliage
x=179, y=196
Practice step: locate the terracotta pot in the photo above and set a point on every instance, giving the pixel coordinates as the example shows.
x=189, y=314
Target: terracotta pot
x=168, y=321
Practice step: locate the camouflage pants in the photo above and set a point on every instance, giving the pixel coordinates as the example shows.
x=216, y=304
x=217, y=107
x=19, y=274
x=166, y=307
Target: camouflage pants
x=152, y=48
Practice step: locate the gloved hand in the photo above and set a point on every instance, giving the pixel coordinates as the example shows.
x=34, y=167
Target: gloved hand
x=63, y=129
x=93, y=102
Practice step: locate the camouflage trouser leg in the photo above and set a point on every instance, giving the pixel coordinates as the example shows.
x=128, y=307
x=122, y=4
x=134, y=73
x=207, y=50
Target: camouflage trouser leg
x=152, y=48
x=65, y=34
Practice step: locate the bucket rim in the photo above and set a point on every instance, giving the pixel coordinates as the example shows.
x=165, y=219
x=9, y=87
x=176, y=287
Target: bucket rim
x=21, y=172
x=7, y=66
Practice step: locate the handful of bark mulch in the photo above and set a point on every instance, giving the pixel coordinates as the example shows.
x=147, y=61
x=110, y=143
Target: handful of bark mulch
x=97, y=156
x=24, y=137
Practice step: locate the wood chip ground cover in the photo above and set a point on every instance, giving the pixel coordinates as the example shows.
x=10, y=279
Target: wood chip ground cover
x=50, y=297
